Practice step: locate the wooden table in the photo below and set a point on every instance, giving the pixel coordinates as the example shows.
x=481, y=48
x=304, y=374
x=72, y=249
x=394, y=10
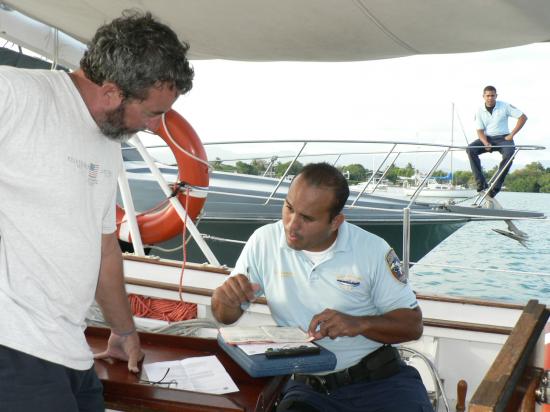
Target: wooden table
x=124, y=392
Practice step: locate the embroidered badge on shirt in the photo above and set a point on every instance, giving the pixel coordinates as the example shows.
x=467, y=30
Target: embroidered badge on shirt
x=348, y=282
x=394, y=265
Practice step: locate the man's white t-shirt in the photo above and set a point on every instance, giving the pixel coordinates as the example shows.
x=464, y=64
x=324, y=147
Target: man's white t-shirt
x=57, y=197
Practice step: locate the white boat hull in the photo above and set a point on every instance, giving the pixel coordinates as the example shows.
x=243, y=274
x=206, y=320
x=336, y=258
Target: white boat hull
x=442, y=193
x=462, y=337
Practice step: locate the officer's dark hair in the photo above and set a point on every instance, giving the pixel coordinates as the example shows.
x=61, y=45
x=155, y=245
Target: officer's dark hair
x=489, y=89
x=327, y=176
x=136, y=52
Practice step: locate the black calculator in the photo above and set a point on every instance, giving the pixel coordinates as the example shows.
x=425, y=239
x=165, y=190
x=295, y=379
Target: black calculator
x=295, y=351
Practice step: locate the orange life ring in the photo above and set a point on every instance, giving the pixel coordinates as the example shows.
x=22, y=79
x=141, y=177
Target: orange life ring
x=165, y=223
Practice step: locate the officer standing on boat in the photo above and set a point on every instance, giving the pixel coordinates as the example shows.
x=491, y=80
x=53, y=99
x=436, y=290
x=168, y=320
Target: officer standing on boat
x=59, y=162
x=344, y=286
x=493, y=134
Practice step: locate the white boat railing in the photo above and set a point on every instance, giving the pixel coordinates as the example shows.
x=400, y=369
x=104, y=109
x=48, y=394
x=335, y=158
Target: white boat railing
x=374, y=173
x=303, y=144
x=483, y=194
x=131, y=212
x=428, y=176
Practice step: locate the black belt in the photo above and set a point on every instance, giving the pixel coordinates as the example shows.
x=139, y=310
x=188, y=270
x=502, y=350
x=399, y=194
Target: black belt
x=382, y=363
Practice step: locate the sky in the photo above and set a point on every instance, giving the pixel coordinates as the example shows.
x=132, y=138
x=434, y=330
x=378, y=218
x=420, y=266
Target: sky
x=406, y=99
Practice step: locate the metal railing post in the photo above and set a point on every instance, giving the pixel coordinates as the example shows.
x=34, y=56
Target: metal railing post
x=481, y=196
x=406, y=241
x=428, y=176
x=373, y=175
x=175, y=202
x=270, y=165
x=285, y=173
x=130, y=210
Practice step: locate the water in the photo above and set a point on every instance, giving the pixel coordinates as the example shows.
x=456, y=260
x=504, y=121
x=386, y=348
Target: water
x=476, y=246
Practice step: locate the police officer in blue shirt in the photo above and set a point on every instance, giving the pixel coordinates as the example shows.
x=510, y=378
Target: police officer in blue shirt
x=492, y=130
x=345, y=287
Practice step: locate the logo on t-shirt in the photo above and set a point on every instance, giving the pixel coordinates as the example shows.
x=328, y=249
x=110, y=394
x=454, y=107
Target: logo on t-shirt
x=94, y=170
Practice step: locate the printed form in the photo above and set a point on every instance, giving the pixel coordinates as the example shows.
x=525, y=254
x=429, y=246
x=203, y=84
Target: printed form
x=199, y=374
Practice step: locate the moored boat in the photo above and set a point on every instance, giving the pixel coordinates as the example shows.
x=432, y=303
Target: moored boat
x=435, y=189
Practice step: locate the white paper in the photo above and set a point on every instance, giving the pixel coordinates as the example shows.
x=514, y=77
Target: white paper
x=286, y=334
x=255, y=348
x=199, y=374
x=259, y=334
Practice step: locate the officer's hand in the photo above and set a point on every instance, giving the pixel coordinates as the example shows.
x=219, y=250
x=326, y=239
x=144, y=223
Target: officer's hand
x=488, y=147
x=509, y=137
x=332, y=323
x=236, y=290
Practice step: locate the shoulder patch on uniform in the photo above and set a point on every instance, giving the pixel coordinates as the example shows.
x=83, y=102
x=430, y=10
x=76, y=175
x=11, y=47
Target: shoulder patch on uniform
x=394, y=265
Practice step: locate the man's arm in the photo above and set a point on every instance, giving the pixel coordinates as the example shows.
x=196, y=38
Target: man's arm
x=521, y=121
x=227, y=298
x=400, y=325
x=111, y=297
x=483, y=138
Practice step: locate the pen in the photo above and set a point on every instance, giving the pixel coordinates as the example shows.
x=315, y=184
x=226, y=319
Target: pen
x=245, y=305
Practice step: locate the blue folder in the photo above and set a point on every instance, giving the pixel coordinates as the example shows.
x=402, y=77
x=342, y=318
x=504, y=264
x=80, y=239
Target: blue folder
x=259, y=365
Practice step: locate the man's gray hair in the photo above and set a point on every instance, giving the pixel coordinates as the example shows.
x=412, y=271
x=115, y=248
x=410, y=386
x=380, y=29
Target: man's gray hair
x=136, y=52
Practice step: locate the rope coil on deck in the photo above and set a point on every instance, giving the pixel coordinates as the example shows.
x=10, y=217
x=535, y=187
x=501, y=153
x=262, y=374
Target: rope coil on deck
x=162, y=309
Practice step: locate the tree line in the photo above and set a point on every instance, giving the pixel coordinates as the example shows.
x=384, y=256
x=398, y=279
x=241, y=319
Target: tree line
x=531, y=178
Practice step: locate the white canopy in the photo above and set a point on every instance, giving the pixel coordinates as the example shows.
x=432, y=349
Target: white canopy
x=303, y=30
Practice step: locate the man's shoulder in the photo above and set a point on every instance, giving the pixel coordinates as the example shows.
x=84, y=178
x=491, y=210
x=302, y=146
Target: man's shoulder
x=19, y=73
x=269, y=230
x=12, y=74
x=505, y=105
x=366, y=238
x=34, y=79
x=509, y=108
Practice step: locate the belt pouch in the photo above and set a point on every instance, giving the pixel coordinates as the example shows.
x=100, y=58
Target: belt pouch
x=382, y=363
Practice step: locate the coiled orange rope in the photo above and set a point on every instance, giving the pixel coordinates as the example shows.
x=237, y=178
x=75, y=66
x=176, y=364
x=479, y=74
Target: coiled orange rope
x=165, y=309
x=162, y=309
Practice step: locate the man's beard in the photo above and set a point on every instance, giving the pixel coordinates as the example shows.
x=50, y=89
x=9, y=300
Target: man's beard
x=113, y=126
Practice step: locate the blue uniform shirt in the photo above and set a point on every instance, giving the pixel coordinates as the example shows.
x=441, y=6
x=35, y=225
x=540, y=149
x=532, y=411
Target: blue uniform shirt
x=361, y=276
x=496, y=123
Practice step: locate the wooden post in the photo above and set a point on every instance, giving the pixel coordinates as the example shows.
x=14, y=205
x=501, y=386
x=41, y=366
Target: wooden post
x=461, y=388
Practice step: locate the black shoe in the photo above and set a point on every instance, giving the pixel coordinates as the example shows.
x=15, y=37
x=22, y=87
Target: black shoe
x=482, y=186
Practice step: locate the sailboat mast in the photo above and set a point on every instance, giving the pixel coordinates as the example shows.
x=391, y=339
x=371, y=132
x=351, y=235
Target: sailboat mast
x=452, y=141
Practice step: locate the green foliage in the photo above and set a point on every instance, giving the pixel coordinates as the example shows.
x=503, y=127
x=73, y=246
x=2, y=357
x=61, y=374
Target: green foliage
x=357, y=173
x=259, y=165
x=280, y=168
x=544, y=182
x=218, y=165
x=532, y=178
x=394, y=172
x=464, y=178
x=245, y=168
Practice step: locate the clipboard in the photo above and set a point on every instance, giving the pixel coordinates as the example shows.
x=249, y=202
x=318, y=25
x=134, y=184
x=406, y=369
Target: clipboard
x=260, y=365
